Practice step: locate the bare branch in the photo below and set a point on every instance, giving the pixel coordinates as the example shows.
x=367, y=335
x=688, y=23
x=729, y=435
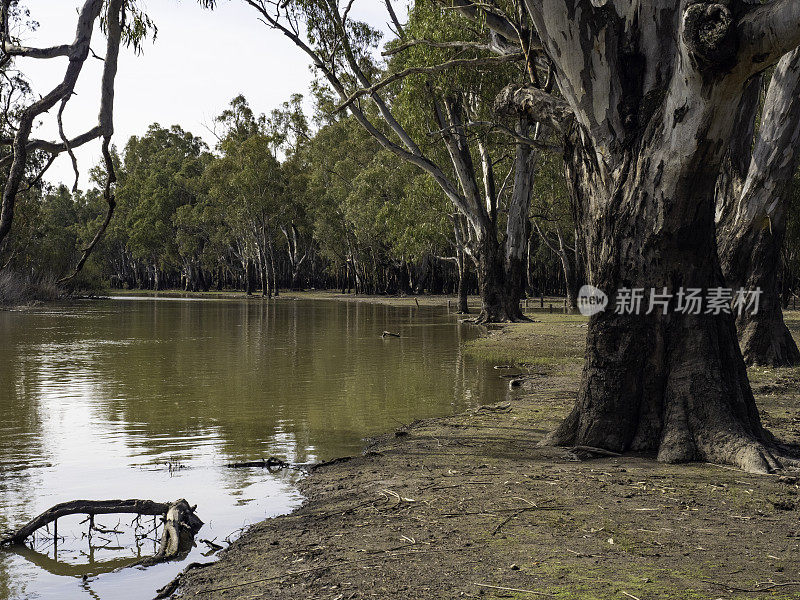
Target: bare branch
x=106, y=120
x=477, y=11
x=458, y=62
x=435, y=44
x=43, y=53
x=65, y=141
x=52, y=147
x=78, y=54
x=399, y=29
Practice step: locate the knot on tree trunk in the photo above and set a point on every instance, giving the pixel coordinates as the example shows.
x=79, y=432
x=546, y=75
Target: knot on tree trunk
x=709, y=33
x=534, y=103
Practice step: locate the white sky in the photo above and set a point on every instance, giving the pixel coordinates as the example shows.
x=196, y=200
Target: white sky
x=199, y=62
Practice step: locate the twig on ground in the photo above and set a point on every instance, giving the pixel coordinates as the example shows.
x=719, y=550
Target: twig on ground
x=771, y=586
x=510, y=589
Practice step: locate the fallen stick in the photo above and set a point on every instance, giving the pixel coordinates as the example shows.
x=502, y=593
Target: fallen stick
x=510, y=589
x=593, y=450
x=389, y=334
x=732, y=588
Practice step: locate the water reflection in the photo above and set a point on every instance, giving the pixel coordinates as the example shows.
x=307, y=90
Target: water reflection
x=151, y=398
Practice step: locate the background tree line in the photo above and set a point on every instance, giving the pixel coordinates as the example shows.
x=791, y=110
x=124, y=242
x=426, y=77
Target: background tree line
x=274, y=204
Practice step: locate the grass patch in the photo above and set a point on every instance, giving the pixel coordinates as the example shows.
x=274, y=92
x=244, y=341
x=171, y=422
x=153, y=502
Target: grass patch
x=551, y=340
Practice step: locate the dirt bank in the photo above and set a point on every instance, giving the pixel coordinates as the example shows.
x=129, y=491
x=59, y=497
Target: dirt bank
x=468, y=506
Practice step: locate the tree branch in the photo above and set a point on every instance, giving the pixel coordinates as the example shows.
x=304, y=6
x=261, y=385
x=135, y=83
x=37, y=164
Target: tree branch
x=767, y=32
x=536, y=104
x=435, y=44
x=458, y=62
x=78, y=53
x=14, y=50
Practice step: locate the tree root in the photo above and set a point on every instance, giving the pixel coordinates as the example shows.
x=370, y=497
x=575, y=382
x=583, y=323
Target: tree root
x=751, y=455
x=180, y=522
x=761, y=458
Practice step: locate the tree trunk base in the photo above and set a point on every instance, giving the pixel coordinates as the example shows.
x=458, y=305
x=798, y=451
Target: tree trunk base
x=486, y=317
x=769, y=344
x=675, y=386
x=752, y=455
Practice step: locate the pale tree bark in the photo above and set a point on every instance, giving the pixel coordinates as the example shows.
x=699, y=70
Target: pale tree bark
x=518, y=225
x=296, y=260
x=654, y=94
x=751, y=212
x=461, y=262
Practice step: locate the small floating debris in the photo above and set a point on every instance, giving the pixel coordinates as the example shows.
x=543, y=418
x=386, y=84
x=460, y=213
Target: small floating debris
x=389, y=334
x=271, y=463
x=504, y=367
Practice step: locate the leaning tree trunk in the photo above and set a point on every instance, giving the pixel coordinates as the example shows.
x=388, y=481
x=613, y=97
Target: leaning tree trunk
x=654, y=97
x=752, y=217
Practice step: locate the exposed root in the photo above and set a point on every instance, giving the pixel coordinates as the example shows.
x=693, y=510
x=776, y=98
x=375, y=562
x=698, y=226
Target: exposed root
x=172, y=586
x=765, y=456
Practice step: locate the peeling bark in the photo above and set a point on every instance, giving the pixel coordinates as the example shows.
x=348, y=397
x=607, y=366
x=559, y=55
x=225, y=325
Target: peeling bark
x=654, y=103
x=752, y=202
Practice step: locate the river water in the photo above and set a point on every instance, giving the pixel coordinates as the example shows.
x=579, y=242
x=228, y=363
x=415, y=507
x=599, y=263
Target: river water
x=152, y=398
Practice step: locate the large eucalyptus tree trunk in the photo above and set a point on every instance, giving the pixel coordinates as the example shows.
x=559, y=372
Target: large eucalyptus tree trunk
x=752, y=210
x=654, y=90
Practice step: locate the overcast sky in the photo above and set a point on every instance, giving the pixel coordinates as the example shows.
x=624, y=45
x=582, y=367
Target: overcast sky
x=200, y=60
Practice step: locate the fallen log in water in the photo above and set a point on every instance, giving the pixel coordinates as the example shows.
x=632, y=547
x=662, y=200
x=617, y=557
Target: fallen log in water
x=389, y=334
x=180, y=522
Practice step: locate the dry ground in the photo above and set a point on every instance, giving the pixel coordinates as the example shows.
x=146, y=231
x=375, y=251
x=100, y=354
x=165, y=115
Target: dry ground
x=467, y=507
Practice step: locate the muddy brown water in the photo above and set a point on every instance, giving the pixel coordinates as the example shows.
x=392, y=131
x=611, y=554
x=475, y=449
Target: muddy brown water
x=151, y=398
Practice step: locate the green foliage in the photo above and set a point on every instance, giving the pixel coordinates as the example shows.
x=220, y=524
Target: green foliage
x=161, y=172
